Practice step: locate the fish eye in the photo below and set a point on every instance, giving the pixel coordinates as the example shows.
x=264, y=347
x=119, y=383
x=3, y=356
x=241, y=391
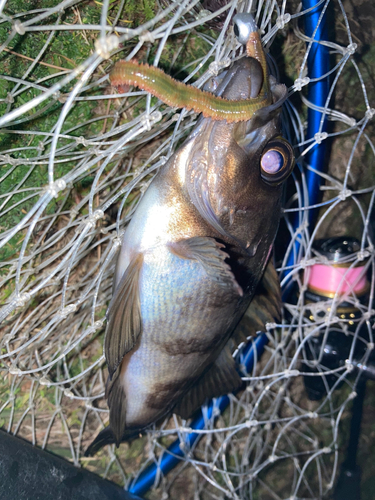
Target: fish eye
x=276, y=161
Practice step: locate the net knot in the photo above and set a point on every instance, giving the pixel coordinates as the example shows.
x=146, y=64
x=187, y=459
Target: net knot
x=349, y=366
x=64, y=313
x=202, y=14
x=270, y=326
x=320, y=136
x=345, y=193
x=251, y=423
x=370, y=113
x=22, y=299
x=282, y=21
x=57, y=186
x=9, y=98
x=148, y=120
x=367, y=315
x=301, y=82
x=351, y=48
x=147, y=37
x=19, y=27
x=98, y=324
x=82, y=140
x=45, y=381
x=291, y=373
x=216, y=66
x=362, y=255
x=116, y=240
x=307, y=263
x=13, y=370
x=163, y=160
x=104, y=46
x=98, y=214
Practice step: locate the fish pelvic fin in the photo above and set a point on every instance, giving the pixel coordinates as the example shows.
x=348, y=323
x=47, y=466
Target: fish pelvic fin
x=208, y=252
x=124, y=316
x=265, y=306
x=221, y=378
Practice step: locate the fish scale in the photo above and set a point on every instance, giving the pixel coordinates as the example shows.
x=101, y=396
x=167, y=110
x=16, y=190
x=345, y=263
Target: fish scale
x=160, y=303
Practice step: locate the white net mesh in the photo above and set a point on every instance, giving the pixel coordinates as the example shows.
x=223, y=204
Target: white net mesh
x=76, y=158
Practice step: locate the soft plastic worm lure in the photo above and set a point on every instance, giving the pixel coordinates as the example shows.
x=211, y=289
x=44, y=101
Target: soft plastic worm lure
x=180, y=95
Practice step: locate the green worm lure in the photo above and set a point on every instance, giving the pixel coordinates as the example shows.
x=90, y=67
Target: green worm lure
x=180, y=95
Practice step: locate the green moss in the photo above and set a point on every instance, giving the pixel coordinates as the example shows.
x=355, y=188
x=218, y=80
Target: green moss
x=67, y=49
x=139, y=11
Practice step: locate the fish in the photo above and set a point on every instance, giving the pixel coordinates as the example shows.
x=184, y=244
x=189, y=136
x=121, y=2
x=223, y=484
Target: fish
x=194, y=274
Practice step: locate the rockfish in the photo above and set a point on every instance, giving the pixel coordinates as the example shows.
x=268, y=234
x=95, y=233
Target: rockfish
x=192, y=260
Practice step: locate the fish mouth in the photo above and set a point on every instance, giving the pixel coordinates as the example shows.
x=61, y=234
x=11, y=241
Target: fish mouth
x=243, y=80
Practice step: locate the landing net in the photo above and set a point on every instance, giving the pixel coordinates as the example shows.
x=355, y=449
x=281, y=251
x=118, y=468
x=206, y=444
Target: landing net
x=76, y=158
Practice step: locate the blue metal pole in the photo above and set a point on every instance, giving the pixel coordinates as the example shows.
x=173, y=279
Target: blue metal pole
x=318, y=65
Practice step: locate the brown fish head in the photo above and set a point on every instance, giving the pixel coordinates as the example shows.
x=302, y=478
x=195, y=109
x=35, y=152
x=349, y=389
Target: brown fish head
x=235, y=171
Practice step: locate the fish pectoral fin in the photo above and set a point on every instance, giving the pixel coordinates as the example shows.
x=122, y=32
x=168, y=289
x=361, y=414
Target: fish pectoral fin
x=117, y=407
x=124, y=316
x=265, y=306
x=208, y=252
x=221, y=378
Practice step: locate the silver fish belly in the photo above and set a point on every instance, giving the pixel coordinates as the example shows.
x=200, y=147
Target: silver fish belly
x=191, y=259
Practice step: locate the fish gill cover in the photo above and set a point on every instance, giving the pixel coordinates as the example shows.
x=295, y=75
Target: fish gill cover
x=77, y=157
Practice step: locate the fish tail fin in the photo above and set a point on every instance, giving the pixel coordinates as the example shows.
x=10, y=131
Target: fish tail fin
x=106, y=436
x=103, y=438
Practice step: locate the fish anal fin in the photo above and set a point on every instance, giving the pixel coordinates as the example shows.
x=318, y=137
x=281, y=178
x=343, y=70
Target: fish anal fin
x=222, y=378
x=124, y=316
x=265, y=306
x=208, y=252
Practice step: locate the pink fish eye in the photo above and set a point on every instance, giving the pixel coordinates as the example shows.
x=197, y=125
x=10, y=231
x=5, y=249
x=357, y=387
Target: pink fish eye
x=272, y=161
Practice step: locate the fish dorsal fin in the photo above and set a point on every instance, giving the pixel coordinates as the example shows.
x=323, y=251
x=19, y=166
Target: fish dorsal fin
x=117, y=406
x=265, y=306
x=221, y=378
x=208, y=252
x=124, y=316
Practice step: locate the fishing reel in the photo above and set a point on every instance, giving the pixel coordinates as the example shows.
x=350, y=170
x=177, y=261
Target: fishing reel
x=336, y=289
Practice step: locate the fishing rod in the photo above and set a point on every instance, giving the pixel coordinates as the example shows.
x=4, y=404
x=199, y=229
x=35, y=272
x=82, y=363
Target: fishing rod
x=318, y=66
